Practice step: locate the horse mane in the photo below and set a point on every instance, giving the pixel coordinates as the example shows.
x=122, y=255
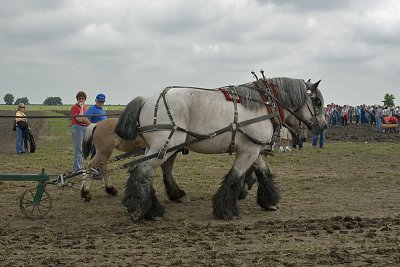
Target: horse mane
x=292, y=93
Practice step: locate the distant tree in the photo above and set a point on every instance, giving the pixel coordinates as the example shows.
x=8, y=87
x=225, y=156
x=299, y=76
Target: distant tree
x=388, y=100
x=8, y=99
x=22, y=100
x=53, y=101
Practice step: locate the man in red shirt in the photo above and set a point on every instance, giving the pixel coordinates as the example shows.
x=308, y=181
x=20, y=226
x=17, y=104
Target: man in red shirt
x=78, y=125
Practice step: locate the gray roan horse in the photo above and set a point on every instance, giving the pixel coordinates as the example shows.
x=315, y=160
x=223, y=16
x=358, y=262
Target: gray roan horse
x=102, y=136
x=203, y=121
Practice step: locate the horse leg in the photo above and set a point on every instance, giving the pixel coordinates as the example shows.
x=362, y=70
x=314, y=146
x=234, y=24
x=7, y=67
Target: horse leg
x=140, y=198
x=267, y=193
x=249, y=180
x=100, y=161
x=110, y=189
x=225, y=199
x=85, y=187
x=172, y=189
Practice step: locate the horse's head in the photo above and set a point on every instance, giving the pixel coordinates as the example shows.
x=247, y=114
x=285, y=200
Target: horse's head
x=313, y=111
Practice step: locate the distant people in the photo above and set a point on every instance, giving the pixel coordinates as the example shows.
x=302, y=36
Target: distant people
x=78, y=128
x=351, y=114
x=299, y=137
x=358, y=114
x=21, y=128
x=285, y=138
x=97, y=109
x=364, y=115
x=345, y=115
x=378, y=119
x=318, y=138
x=334, y=115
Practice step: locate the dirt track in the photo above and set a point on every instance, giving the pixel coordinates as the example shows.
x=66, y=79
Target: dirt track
x=343, y=211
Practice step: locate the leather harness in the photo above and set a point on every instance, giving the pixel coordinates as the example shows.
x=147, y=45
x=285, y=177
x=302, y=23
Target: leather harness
x=270, y=98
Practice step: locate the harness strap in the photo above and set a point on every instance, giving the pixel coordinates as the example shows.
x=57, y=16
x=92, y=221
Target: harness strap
x=211, y=135
x=163, y=150
x=266, y=91
x=173, y=127
x=232, y=146
x=255, y=141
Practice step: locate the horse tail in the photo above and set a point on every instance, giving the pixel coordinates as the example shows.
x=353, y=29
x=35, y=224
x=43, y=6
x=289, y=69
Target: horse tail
x=126, y=125
x=88, y=140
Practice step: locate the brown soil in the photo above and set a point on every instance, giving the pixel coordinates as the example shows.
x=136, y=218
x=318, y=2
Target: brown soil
x=323, y=220
x=361, y=133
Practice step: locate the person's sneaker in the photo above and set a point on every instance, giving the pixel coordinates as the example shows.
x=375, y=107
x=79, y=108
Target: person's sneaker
x=287, y=149
x=281, y=149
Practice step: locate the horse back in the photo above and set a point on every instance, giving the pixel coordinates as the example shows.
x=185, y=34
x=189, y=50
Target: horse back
x=106, y=140
x=203, y=112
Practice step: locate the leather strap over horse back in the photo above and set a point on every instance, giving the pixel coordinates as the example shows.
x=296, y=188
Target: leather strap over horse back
x=229, y=94
x=275, y=92
x=267, y=88
x=233, y=127
x=204, y=137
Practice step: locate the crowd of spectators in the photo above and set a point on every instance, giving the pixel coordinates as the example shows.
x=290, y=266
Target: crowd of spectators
x=362, y=115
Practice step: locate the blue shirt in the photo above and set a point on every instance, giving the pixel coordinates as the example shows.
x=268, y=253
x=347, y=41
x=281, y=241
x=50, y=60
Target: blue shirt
x=94, y=110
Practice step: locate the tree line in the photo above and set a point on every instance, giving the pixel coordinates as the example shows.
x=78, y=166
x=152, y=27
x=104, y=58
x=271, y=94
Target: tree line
x=49, y=101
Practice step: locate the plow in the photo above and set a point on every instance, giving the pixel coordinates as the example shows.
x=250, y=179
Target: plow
x=36, y=202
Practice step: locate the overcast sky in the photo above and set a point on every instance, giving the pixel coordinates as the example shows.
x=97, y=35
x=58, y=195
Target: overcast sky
x=126, y=48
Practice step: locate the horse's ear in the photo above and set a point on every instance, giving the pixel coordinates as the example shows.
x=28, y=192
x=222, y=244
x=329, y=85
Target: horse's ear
x=309, y=80
x=314, y=86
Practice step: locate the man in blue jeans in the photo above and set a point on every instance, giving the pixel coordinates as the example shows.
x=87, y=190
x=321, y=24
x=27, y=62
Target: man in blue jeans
x=321, y=138
x=378, y=119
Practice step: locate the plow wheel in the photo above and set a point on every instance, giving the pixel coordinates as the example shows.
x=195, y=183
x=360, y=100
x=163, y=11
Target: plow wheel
x=35, y=206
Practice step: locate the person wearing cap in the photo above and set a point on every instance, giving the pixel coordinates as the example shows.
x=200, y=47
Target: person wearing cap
x=78, y=124
x=96, y=113
x=21, y=128
x=97, y=110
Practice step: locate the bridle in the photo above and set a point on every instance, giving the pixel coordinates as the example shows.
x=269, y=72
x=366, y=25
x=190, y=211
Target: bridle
x=316, y=104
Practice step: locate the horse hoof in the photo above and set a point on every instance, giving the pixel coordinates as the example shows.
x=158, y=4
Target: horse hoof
x=135, y=217
x=184, y=199
x=111, y=191
x=231, y=218
x=86, y=196
x=272, y=208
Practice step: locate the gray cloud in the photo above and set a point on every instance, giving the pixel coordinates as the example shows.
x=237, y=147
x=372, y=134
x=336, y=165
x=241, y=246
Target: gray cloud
x=128, y=48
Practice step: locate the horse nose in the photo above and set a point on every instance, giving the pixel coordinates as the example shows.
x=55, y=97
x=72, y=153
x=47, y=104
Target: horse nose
x=325, y=127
